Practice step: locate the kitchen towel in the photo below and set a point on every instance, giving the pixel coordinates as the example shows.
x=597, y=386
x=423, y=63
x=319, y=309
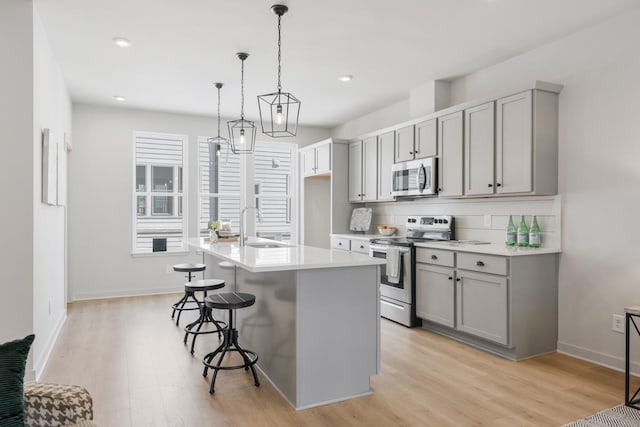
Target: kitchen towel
x=393, y=265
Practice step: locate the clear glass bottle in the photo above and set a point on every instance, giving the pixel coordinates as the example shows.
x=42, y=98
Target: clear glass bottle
x=510, y=239
x=534, y=234
x=523, y=233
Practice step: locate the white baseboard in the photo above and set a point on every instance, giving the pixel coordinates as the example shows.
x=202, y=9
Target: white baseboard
x=42, y=363
x=123, y=293
x=602, y=359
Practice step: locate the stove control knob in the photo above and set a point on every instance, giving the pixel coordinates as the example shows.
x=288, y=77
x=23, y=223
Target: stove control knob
x=445, y=221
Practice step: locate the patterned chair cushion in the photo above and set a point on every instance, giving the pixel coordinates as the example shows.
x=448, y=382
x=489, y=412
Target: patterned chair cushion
x=55, y=405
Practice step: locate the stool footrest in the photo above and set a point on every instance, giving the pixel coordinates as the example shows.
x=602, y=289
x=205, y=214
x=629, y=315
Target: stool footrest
x=252, y=360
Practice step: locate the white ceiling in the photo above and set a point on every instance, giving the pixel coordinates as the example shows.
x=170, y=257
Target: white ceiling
x=180, y=47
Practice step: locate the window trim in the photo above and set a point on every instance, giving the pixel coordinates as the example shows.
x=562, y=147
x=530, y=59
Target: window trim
x=185, y=192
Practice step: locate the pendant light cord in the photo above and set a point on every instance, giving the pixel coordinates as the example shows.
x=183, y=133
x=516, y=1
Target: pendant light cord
x=218, y=114
x=242, y=90
x=279, y=54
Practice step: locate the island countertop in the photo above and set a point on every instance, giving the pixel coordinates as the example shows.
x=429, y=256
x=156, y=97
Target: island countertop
x=487, y=249
x=283, y=258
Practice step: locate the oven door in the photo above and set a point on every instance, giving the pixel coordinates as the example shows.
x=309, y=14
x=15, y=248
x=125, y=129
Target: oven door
x=401, y=291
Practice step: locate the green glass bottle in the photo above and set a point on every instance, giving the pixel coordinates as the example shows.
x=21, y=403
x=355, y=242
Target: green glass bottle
x=523, y=233
x=511, y=233
x=534, y=234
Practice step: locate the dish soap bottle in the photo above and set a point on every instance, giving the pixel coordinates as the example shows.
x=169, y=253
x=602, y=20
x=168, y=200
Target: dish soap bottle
x=511, y=233
x=534, y=234
x=523, y=233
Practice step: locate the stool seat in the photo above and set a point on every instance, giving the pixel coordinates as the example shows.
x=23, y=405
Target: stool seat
x=229, y=300
x=204, y=285
x=189, y=268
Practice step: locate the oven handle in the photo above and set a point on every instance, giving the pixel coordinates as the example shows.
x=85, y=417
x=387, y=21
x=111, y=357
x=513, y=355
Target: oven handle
x=383, y=249
x=392, y=304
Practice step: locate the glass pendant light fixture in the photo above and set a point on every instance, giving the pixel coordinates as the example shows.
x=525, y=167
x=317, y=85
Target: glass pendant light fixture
x=218, y=141
x=279, y=111
x=242, y=132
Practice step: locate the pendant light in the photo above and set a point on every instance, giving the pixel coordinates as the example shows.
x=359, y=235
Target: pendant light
x=242, y=132
x=218, y=141
x=279, y=111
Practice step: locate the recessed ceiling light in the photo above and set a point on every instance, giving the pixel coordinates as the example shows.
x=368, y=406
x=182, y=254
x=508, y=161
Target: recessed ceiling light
x=119, y=98
x=122, y=42
x=346, y=78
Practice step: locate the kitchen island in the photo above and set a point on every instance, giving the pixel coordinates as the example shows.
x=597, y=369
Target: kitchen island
x=315, y=325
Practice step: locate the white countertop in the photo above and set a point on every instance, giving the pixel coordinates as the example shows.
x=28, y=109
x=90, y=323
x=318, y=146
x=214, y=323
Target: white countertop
x=489, y=249
x=289, y=257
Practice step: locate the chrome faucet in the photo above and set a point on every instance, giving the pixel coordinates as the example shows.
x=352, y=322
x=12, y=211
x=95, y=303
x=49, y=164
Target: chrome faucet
x=242, y=221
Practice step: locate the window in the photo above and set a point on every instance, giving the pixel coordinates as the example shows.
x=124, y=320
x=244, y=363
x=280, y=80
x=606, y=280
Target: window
x=220, y=186
x=159, y=222
x=273, y=170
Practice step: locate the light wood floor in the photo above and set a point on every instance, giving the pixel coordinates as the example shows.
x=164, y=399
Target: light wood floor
x=130, y=356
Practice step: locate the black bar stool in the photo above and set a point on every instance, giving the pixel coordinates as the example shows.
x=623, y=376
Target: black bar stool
x=230, y=301
x=206, y=316
x=191, y=269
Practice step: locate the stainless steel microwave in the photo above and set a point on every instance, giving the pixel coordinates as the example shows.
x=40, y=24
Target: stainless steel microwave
x=414, y=178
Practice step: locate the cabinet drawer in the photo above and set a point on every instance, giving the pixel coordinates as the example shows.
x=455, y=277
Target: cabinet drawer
x=484, y=263
x=361, y=246
x=434, y=256
x=340, y=243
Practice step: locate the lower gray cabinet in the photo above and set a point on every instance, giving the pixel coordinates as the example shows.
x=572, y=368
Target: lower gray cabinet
x=482, y=305
x=435, y=294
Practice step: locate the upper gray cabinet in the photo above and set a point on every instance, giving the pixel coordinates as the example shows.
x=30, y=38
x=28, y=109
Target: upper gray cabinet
x=426, y=143
x=386, y=144
x=316, y=160
x=450, y=142
x=417, y=142
x=479, y=147
x=404, y=144
x=527, y=143
x=369, y=169
x=355, y=171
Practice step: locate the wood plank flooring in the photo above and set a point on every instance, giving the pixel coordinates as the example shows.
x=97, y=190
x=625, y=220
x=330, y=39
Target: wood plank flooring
x=130, y=356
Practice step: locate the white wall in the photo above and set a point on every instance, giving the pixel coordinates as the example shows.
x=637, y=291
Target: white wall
x=100, y=180
x=16, y=171
x=388, y=116
x=52, y=109
x=599, y=174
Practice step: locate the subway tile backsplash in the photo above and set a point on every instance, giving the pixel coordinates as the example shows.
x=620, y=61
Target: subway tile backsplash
x=470, y=216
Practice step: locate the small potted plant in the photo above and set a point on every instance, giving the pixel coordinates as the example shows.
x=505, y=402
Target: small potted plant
x=214, y=226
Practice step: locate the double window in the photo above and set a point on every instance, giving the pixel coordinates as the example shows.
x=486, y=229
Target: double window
x=159, y=222
x=226, y=183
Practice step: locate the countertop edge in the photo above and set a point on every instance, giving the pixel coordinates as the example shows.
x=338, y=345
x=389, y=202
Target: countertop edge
x=490, y=249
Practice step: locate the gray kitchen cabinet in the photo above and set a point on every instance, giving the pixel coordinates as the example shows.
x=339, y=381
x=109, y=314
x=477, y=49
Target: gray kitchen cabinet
x=504, y=304
x=435, y=294
x=370, y=169
x=404, y=144
x=355, y=171
x=481, y=305
x=426, y=143
x=386, y=146
x=479, y=150
x=527, y=143
x=450, y=143
x=316, y=160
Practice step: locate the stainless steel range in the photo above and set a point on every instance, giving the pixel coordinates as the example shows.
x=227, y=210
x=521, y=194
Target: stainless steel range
x=397, y=276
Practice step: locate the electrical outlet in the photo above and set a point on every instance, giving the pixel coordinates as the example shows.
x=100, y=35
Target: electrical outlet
x=487, y=221
x=618, y=323
x=169, y=269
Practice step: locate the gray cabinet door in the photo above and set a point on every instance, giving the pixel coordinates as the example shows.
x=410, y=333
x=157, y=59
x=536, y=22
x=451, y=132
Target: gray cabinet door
x=435, y=294
x=370, y=169
x=323, y=158
x=355, y=171
x=386, y=144
x=308, y=161
x=426, y=144
x=404, y=144
x=450, y=141
x=479, y=148
x=514, y=144
x=482, y=305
